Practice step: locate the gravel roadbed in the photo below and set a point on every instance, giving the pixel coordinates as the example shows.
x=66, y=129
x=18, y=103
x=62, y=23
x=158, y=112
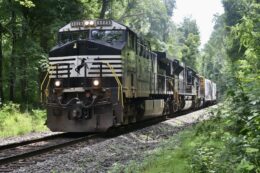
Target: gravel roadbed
x=101, y=157
x=29, y=136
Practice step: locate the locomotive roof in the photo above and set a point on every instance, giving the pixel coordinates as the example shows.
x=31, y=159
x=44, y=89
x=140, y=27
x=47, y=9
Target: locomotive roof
x=100, y=24
x=178, y=66
x=93, y=24
x=162, y=57
x=194, y=72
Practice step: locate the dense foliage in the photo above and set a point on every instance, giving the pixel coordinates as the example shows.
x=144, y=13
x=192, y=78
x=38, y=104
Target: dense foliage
x=190, y=41
x=27, y=31
x=232, y=59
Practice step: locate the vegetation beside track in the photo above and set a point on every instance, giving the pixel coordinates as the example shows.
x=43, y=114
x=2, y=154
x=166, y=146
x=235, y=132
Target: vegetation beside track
x=210, y=147
x=14, y=122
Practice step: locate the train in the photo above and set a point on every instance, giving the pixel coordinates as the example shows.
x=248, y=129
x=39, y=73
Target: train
x=102, y=75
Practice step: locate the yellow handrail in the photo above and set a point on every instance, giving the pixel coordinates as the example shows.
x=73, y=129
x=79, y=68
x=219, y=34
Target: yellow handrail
x=46, y=91
x=120, y=88
x=175, y=92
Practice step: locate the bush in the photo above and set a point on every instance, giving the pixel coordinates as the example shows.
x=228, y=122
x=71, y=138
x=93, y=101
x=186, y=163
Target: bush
x=225, y=147
x=13, y=122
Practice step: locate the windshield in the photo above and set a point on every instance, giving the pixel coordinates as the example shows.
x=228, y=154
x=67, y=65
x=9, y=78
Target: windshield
x=68, y=36
x=107, y=35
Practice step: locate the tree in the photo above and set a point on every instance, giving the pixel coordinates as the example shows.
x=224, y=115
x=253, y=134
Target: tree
x=234, y=11
x=104, y=9
x=214, y=63
x=27, y=35
x=190, y=41
x=150, y=19
x=1, y=63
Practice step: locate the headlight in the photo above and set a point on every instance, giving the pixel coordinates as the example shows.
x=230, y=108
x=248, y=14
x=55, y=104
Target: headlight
x=57, y=83
x=91, y=23
x=96, y=82
x=86, y=23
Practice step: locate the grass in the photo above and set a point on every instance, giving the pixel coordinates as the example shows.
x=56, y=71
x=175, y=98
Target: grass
x=14, y=123
x=169, y=158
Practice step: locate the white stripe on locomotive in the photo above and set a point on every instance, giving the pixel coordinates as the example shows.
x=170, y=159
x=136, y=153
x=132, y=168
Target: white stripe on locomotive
x=92, y=63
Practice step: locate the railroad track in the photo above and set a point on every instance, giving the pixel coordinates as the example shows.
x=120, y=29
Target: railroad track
x=15, y=154
x=20, y=154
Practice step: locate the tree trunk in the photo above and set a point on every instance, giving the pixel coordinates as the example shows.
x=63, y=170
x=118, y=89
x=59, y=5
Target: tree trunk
x=44, y=38
x=23, y=60
x=23, y=80
x=166, y=33
x=12, y=59
x=1, y=64
x=105, y=5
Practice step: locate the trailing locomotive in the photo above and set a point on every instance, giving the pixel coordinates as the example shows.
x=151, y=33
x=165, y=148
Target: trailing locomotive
x=102, y=75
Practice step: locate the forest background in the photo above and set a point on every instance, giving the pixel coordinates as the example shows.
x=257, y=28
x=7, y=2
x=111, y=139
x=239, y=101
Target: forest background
x=28, y=30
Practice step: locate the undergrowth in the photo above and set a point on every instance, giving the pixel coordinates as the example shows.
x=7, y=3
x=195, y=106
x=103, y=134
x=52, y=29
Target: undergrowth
x=13, y=122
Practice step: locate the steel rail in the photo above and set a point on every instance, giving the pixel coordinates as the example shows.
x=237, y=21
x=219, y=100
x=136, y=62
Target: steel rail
x=30, y=141
x=43, y=150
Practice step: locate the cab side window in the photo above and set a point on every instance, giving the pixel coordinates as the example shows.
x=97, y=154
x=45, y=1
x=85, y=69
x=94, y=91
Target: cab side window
x=189, y=77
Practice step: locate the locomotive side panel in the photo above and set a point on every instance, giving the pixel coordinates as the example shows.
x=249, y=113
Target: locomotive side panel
x=130, y=74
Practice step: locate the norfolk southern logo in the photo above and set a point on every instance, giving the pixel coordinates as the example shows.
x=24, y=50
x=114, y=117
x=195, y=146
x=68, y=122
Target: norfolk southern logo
x=82, y=64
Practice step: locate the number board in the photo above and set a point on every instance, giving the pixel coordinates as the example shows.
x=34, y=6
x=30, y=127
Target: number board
x=77, y=24
x=104, y=22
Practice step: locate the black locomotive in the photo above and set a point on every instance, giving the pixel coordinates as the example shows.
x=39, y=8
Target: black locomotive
x=102, y=74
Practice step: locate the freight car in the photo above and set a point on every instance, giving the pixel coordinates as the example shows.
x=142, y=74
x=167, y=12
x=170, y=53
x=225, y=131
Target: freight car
x=102, y=74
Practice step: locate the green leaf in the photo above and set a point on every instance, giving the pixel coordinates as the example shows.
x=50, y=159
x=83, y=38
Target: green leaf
x=252, y=150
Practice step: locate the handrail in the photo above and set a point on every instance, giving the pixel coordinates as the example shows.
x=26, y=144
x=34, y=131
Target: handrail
x=175, y=92
x=120, y=88
x=43, y=82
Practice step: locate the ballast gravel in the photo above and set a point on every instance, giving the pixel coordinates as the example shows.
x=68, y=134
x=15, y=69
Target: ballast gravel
x=101, y=157
x=29, y=136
